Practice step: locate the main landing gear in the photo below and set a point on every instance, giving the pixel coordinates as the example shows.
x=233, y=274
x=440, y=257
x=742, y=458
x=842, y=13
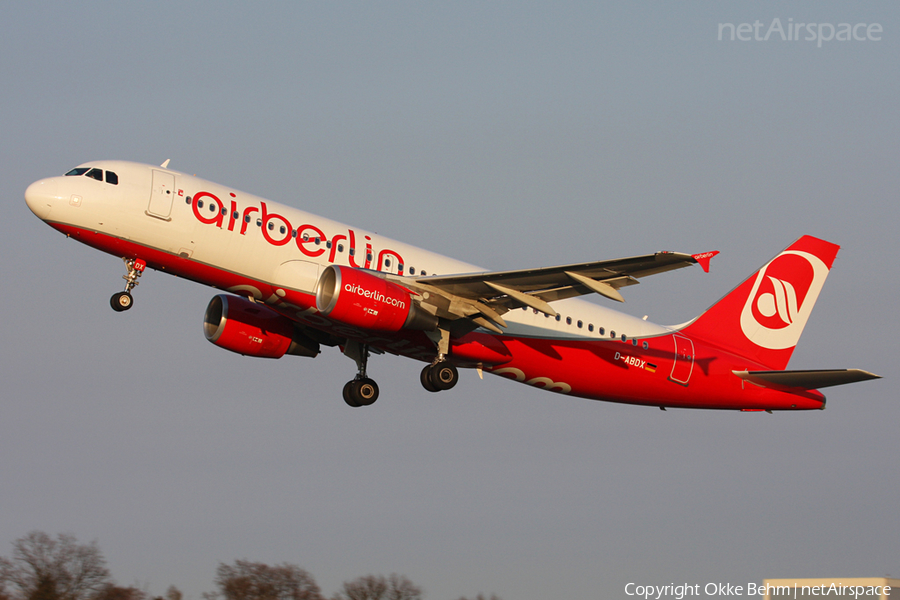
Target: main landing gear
x=360, y=391
x=438, y=376
x=123, y=300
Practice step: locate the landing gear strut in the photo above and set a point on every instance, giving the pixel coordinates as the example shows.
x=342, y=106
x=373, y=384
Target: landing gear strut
x=360, y=391
x=123, y=300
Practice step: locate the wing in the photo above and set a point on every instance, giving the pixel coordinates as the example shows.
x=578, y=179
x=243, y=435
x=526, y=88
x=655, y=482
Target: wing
x=483, y=297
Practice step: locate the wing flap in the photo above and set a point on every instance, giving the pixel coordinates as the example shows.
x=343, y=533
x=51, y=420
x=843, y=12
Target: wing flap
x=805, y=380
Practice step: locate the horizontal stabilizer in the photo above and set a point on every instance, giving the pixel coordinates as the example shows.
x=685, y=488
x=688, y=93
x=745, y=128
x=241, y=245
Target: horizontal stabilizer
x=805, y=380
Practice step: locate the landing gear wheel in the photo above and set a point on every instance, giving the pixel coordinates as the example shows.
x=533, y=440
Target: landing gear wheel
x=444, y=375
x=425, y=378
x=349, y=396
x=121, y=301
x=367, y=391
x=360, y=392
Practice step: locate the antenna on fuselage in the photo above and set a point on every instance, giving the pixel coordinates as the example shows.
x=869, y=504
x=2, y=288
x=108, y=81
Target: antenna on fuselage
x=165, y=165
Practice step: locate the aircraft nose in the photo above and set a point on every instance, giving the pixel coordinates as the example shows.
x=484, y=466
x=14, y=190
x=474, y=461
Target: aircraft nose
x=40, y=197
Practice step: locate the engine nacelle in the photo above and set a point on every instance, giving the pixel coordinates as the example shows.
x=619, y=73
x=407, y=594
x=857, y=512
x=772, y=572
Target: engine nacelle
x=364, y=300
x=252, y=329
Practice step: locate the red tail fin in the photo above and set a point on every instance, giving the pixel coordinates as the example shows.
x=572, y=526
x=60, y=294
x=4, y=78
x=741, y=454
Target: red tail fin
x=763, y=317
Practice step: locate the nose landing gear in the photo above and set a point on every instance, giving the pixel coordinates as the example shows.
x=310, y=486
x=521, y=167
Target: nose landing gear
x=123, y=300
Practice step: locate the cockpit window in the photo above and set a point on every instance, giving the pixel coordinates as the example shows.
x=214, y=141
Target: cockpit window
x=94, y=173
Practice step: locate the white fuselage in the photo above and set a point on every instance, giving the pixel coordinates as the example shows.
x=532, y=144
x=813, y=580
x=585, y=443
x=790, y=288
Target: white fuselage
x=272, y=243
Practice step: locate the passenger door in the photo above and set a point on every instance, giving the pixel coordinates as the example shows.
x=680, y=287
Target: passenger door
x=162, y=194
x=684, y=360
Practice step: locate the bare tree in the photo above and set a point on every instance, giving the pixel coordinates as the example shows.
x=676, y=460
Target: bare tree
x=42, y=568
x=245, y=580
x=114, y=592
x=4, y=595
x=173, y=593
x=372, y=587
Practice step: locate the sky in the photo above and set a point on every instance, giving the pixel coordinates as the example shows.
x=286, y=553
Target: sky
x=509, y=135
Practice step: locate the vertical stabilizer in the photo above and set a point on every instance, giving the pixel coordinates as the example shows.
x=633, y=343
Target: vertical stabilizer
x=764, y=316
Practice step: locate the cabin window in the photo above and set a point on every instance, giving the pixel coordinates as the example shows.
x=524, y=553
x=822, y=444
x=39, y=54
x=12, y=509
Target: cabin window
x=112, y=178
x=624, y=337
x=646, y=346
x=340, y=247
x=558, y=317
x=612, y=334
x=424, y=273
x=235, y=215
x=199, y=203
x=580, y=324
x=328, y=244
x=590, y=327
x=188, y=201
x=293, y=233
x=212, y=207
x=387, y=264
x=246, y=218
x=412, y=270
x=352, y=251
x=224, y=211
x=568, y=320
x=601, y=331
x=259, y=222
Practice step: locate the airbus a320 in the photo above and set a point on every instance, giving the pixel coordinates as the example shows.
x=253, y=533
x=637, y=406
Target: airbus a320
x=295, y=282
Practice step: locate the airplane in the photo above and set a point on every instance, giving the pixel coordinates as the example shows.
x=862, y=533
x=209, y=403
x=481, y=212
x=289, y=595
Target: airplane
x=295, y=282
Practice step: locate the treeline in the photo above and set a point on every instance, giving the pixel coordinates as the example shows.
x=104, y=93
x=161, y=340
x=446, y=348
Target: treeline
x=44, y=568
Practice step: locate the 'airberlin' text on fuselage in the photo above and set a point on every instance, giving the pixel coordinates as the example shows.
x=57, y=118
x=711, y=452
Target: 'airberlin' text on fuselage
x=278, y=231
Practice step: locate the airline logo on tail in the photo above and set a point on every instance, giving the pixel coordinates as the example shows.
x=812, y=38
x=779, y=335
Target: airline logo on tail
x=782, y=299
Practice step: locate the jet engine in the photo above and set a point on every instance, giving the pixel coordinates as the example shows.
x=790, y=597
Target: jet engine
x=252, y=329
x=365, y=300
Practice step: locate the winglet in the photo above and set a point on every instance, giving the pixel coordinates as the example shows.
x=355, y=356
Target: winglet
x=703, y=259
x=165, y=165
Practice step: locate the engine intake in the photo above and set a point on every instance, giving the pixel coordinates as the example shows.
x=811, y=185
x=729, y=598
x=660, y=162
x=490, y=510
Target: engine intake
x=236, y=324
x=367, y=301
